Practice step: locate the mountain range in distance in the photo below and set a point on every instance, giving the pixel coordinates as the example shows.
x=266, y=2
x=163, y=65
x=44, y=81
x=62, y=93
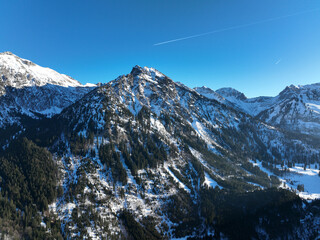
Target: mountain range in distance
x=144, y=157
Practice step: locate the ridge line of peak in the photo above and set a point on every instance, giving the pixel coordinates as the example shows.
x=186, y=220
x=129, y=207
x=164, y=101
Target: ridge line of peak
x=7, y=53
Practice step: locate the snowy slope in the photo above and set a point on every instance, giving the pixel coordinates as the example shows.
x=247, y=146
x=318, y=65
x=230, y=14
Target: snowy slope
x=18, y=73
x=29, y=89
x=186, y=142
x=252, y=106
x=233, y=98
x=209, y=93
x=145, y=145
x=296, y=108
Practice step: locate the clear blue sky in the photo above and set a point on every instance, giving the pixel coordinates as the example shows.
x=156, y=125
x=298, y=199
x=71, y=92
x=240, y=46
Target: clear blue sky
x=98, y=40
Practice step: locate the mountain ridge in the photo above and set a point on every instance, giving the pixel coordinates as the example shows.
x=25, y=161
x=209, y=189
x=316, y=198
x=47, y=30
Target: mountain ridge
x=140, y=130
x=144, y=157
x=29, y=91
x=18, y=72
x=296, y=108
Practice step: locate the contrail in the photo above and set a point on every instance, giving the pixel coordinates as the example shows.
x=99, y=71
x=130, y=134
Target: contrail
x=277, y=62
x=235, y=27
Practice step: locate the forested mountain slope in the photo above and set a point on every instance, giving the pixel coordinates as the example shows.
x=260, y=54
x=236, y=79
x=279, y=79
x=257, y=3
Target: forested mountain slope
x=143, y=157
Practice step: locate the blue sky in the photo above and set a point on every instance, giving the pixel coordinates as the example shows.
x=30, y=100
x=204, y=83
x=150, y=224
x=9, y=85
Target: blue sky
x=96, y=41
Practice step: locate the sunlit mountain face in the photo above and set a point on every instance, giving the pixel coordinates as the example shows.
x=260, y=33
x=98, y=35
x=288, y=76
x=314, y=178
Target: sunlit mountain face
x=145, y=157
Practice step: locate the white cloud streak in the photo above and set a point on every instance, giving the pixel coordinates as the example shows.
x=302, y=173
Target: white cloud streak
x=277, y=62
x=234, y=27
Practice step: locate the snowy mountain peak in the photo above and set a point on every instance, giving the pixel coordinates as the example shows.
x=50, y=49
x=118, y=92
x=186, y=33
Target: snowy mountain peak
x=6, y=53
x=209, y=93
x=289, y=92
x=293, y=90
x=136, y=70
x=146, y=73
x=18, y=73
x=30, y=90
x=231, y=92
x=292, y=86
x=204, y=89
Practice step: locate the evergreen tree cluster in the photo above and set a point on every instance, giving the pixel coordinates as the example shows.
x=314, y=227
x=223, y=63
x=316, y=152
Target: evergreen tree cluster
x=111, y=159
x=137, y=231
x=28, y=180
x=238, y=215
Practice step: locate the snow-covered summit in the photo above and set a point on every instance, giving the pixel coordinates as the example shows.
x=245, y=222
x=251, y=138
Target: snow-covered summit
x=18, y=73
x=209, y=93
x=231, y=93
x=27, y=89
x=296, y=108
x=146, y=73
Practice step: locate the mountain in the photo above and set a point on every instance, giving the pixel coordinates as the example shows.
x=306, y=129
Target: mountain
x=144, y=157
x=30, y=91
x=295, y=109
x=231, y=93
x=18, y=73
x=209, y=93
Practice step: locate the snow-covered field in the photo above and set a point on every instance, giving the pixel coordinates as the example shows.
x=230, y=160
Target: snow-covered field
x=295, y=176
x=309, y=178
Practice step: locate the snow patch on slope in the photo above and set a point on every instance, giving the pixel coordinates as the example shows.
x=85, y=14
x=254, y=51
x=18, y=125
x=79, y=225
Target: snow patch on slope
x=208, y=181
